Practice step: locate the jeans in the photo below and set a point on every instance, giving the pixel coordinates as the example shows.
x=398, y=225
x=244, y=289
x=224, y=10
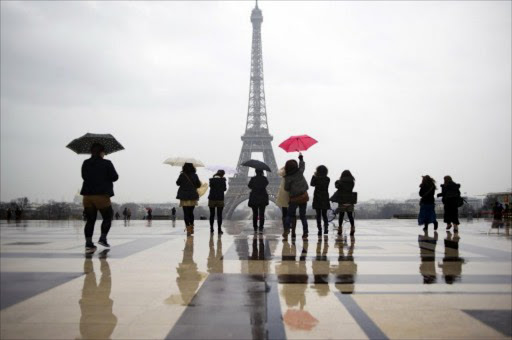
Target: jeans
x=219, y=216
x=291, y=216
x=188, y=215
x=321, y=214
x=258, y=213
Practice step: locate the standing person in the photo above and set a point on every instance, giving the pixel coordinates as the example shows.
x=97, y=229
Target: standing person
x=321, y=197
x=9, y=214
x=99, y=176
x=188, y=183
x=17, y=213
x=117, y=215
x=345, y=186
x=427, y=203
x=297, y=187
x=150, y=214
x=258, y=199
x=450, y=192
x=125, y=214
x=129, y=214
x=173, y=213
x=282, y=197
x=216, y=199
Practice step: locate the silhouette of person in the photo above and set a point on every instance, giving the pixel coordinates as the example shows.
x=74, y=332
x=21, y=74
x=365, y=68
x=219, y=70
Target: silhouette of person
x=452, y=263
x=216, y=199
x=427, y=246
x=258, y=199
x=9, y=214
x=97, y=320
x=188, y=183
x=321, y=202
x=297, y=187
x=450, y=192
x=427, y=213
x=17, y=213
x=117, y=215
x=321, y=267
x=346, y=271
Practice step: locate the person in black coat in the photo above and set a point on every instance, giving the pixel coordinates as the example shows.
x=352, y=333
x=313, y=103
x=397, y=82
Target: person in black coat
x=258, y=199
x=216, y=199
x=427, y=213
x=450, y=192
x=99, y=176
x=188, y=183
x=345, y=186
x=321, y=197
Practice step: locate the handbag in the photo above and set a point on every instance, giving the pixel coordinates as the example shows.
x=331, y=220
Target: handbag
x=300, y=199
x=202, y=189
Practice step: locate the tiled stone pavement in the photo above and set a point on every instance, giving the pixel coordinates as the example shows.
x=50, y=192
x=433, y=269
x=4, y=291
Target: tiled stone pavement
x=389, y=281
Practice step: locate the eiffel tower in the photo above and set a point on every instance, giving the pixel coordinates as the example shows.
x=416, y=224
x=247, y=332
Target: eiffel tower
x=257, y=138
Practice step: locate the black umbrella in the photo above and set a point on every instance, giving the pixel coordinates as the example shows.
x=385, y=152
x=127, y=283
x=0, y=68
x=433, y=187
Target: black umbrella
x=83, y=144
x=258, y=165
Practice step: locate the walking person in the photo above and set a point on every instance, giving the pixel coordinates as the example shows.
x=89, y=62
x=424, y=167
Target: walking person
x=258, y=199
x=282, y=196
x=216, y=199
x=450, y=192
x=117, y=215
x=129, y=214
x=321, y=203
x=173, y=213
x=125, y=213
x=188, y=183
x=99, y=176
x=345, y=186
x=9, y=214
x=427, y=213
x=297, y=187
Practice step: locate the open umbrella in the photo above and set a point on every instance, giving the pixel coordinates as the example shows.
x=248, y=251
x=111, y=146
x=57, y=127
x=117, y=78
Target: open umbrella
x=229, y=170
x=180, y=161
x=258, y=165
x=297, y=143
x=300, y=319
x=83, y=144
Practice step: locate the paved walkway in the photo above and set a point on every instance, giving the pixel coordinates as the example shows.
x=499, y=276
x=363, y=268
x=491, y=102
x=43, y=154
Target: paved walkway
x=389, y=281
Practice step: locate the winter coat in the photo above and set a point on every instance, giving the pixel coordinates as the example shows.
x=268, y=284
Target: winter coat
x=258, y=196
x=99, y=176
x=282, y=195
x=217, y=188
x=295, y=183
x=188, y=185
x=345, y=185
x=321, y=194
x=450, y=192
x=427, y=192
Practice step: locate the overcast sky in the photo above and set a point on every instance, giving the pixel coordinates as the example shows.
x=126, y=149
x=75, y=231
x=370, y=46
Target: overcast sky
x=391, y=90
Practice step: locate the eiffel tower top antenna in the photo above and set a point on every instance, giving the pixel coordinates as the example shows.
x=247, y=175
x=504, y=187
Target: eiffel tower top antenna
x=256, y=3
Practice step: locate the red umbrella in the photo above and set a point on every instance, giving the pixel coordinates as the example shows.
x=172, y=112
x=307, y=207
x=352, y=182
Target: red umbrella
x=297, y=143
x=300, y=319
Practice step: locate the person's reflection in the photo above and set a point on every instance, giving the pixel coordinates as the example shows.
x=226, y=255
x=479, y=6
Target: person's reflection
x=427, y=246
x=97, y=321
x=452, y=263
x=321, y=267
x=215, y=261
x=188, y=276
x=346, y=270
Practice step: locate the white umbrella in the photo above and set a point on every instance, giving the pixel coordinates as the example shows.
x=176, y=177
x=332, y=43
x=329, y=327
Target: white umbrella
x=180, y=161
x=229, y=170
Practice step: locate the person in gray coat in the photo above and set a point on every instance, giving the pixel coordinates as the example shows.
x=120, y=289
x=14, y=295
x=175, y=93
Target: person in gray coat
x=297, y=187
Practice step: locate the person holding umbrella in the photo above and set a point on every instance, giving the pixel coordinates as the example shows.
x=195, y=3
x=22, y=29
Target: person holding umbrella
x=188, y=183
x=216, y=199
x=297, y=187
x=321, y=204
x=258, y=199
x=99, y=176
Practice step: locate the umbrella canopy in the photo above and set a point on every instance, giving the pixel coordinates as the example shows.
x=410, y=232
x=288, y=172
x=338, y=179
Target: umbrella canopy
x=297, y=143
x=258, y=165
x=229, y=170
x=83, y=144
x=180, y=161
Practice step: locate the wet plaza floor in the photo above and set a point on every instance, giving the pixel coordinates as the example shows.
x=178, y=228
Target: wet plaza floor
x=391, y=280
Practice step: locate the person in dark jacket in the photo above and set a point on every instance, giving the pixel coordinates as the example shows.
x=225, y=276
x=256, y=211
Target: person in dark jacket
x=99, y=176
x=345, y=186
x=216, y=199
x=297, y=187
x=321, y=197
x=9, y=214
x=450, y=192
x=188, y=183
x=427, y=213
x=258, y=199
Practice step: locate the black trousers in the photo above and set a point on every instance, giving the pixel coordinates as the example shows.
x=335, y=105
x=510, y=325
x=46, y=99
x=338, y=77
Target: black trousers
x=321, y=214
x=90, y=215
x=188, y=215
x=350, y=217
x=284, y=212
x=258, y=213
x=219, y=216
x=451, y=214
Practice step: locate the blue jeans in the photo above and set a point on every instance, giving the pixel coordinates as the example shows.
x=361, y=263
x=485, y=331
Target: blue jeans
x=292, y=214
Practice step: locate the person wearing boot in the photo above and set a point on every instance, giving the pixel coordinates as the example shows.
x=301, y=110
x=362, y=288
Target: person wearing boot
x=188, y=183
x=321, y=197
x=345, y=186
x=297, y=188
x=450, y=192
x=99, y=176
x=427, y=213
x=258, y=199
x=216, y=199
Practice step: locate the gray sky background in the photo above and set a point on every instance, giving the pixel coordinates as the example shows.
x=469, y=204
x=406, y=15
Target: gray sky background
x=391, y=90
